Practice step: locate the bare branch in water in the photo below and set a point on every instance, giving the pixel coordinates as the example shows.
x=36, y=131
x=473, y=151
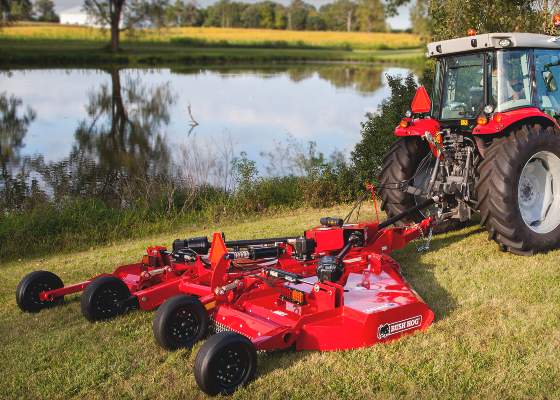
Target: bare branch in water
x=193, y=123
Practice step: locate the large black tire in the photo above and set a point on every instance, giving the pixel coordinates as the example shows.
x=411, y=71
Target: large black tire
x=225, y=362
x=28, y=289
x=400, y=165
x=498, y=185
x=180, y=322
x=104, y=298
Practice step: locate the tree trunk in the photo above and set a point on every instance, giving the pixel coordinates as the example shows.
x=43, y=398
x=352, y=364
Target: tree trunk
x=349, y=21
x=116, y=11
x=289, y=20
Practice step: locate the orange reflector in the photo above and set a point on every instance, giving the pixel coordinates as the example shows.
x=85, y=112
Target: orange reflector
x=498, y=117
x=482, y=120
x=439, y=138
x=297, y=297
x=403, y=123
x=556, y=20
x=471, y=32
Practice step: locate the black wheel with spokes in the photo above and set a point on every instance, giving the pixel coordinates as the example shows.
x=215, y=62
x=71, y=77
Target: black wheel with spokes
x=103, y=298
x=180, y=322
x=225, y=362
x=29, y=288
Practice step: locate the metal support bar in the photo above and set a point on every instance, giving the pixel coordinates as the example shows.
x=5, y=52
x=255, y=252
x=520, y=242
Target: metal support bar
x=425, y=204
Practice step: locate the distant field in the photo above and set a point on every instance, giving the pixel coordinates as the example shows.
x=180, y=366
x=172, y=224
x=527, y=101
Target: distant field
x=223, y=37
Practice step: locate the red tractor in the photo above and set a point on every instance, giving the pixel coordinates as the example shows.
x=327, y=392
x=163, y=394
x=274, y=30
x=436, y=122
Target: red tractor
x=487, y=142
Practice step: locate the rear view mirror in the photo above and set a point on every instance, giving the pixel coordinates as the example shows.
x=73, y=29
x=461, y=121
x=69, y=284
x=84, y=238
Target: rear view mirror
x=549, y=81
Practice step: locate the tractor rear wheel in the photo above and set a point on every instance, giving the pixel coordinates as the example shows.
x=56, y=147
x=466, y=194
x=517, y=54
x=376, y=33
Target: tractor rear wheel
x=408, y=161
x=518, y=190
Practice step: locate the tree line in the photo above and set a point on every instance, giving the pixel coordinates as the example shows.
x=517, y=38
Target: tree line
x=340, y=15
x=25, y=10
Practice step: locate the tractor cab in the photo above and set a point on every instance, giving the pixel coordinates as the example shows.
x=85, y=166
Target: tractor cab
x=480, y=75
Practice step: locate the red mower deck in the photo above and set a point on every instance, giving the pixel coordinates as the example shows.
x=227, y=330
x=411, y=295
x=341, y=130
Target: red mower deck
x=335, y=287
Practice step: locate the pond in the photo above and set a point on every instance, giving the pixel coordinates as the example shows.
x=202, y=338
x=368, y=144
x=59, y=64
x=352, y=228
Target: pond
x=63, y=123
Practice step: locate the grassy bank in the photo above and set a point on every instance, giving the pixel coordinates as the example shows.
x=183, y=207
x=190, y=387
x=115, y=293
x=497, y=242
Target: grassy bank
x=496, y=333
x=64, y=45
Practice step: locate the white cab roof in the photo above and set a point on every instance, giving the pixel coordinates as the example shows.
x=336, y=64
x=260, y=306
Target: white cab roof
x=492, y=41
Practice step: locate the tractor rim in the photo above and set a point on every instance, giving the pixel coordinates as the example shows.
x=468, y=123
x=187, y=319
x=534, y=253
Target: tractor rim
x=184, y=325
x=232, y=367
x=538, y=192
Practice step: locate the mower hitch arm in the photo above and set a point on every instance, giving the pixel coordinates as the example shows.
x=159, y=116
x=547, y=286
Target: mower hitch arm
x=425, y=204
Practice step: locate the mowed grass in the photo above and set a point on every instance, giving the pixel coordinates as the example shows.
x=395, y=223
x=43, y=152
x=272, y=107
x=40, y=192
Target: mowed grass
x=496, y=333
x=223, y=36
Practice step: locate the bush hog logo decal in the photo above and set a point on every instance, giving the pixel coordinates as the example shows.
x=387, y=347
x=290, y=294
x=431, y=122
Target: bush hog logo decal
x=393, y=328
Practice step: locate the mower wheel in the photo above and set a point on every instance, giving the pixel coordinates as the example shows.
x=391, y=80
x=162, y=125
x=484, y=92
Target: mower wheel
x=225, y=362
x=405, y=162
x=180, y=322
x=28, y=289
x=517, y=190
x=103, y=298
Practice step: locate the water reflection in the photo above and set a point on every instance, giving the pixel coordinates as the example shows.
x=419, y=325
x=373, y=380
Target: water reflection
x=14, y=123
x=111, y=133
x=118, y=146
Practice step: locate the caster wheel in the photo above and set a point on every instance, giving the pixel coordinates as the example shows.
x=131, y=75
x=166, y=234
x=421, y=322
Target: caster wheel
x=28, y=289
x=103, y=298
x=225, y=362
x=180, y=322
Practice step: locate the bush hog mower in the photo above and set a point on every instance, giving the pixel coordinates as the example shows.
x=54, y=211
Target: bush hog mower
x=335, y=287
x=488, y=141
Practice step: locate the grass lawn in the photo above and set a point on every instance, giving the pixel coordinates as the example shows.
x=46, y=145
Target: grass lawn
x=48, y=44
x=496, y=334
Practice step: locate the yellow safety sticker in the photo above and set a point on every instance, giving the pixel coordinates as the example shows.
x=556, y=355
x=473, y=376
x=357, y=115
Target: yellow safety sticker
x=464, y=122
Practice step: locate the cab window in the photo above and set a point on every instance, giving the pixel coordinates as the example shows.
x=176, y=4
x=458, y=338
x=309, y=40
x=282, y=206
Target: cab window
x=547, y=75
x=513, y=89
x=463, y=87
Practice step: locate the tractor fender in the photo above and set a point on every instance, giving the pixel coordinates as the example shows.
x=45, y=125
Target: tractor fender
x=417, y=127
x=501, y=122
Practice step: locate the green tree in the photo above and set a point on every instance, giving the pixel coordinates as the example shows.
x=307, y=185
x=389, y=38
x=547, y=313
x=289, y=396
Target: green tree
x=107, y=13
x=151, y=13
x=44, y=11
x=297, y=13
x=267, y=14
x=20, y=10
x=181, y=14
x=314, y=20
x=225, y=14
x=452, y=18
x=340, y=15
x=420, y=19
x=377, y=131
x=371, y=16
x=280, y=17
x=251, y=17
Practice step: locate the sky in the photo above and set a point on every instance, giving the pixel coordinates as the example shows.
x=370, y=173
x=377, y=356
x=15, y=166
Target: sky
x=401, y=21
